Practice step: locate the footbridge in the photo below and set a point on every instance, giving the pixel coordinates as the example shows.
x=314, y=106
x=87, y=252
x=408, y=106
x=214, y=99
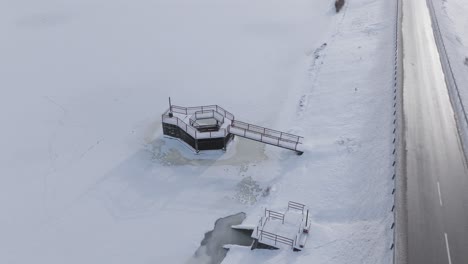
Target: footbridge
x=212, y=127
x=266, y=135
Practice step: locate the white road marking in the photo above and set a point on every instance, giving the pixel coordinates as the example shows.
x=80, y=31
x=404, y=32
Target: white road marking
x=440, y=196
x=448, y=249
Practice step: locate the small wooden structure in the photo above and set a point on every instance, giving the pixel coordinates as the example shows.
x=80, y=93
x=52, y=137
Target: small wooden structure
x=288, y=230
x=212, y=127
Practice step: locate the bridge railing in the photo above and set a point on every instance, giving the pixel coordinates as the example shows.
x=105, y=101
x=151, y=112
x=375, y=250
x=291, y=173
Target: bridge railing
x=265, y=138
x=266, y=131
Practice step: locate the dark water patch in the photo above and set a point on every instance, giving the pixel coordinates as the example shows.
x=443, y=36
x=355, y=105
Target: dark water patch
x=338, y=5
x=211, y=250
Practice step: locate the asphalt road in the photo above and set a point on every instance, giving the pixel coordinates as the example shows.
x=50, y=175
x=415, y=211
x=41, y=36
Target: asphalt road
x=436, y=171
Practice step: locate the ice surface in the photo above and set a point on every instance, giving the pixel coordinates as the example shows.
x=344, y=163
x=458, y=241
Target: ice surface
x=87, y=177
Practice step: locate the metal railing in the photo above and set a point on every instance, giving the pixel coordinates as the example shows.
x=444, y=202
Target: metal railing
x=265, y=138
x=192, y=110
x=297, y=206
x=261, y=224
x=205, y=114
x=258, y=133
x=191, y=130
x=266, y=131
x=397, y=244
x=274, y=215
x=277, y=238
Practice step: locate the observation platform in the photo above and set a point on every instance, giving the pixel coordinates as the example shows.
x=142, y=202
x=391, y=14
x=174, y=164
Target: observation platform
x=288, y=230
x=212, y=127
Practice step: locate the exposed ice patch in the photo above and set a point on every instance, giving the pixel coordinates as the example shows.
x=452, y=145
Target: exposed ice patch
x=173, y=152
x=212, y=250
x=248, y=191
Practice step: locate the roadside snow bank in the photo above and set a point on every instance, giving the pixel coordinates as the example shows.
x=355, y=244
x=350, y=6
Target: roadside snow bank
x=452, y=42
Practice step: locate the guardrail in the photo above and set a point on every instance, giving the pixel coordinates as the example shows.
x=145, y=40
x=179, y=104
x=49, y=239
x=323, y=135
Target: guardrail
x=192, y=110
x=277, y=238
x=205, y=114
x=274, y=215
x=398, y=243
x=264, y=138
x=262, y=224
x=267, y=131
x=297, y=206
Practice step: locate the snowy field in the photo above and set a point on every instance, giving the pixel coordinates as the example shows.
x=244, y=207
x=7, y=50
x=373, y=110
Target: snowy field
x=86, y=176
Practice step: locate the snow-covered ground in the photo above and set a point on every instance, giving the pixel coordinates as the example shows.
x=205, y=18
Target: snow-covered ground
x=86, y=176
x=346, y=177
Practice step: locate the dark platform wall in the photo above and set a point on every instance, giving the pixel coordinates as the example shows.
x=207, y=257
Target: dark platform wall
x=213, y=143
x=200, y=144
x=175, y=131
